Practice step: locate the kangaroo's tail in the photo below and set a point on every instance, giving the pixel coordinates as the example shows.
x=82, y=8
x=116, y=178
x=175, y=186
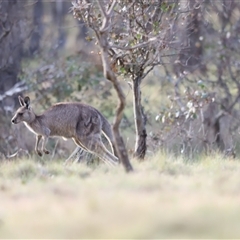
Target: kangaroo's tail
x=107, y=131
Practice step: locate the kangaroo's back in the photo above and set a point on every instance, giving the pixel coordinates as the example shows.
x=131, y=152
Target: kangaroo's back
x=66, y=119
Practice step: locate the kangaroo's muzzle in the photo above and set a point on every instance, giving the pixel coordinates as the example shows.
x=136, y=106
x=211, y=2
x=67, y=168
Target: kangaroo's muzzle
x=13, y=121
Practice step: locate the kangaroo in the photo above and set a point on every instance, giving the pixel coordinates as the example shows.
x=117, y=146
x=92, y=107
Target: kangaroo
x=80, y=122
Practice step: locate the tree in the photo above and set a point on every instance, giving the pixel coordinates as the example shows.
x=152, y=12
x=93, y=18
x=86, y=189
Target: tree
x=59, y=10
x=35, y=39
x=101, y=29
x=190, y=55
x=137, y=35
x=205, y=104
x=13, y=31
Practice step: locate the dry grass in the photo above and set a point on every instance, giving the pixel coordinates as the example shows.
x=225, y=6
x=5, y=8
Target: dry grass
x=164, y=198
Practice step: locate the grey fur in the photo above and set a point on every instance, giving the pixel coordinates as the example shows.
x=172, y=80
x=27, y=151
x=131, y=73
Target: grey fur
x=80, y=122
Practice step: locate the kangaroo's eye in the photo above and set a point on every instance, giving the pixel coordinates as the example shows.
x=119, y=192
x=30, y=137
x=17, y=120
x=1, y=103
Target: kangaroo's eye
x=20, y=114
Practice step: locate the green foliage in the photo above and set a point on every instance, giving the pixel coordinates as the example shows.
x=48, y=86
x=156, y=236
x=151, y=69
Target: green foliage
x=194, y=99
x=69, y=78
x=167, y=6
x=59, y=78
x=139, y=36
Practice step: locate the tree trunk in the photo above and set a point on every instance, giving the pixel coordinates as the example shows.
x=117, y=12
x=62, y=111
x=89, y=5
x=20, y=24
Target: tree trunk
x=12, y=33
x=13, y=30
x=190, y=56
x=119, y=143
x=102, y=34
x=59, y=11
x=38, y=27
x=140, y=121
x=110, y=75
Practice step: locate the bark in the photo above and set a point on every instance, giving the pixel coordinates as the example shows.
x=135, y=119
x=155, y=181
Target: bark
x=102, y=36
x=217, y=126
x=59, y=10
x=110, y=75
x=38, y=27
x=140, y=121
x=13, y=31
x=190, y=56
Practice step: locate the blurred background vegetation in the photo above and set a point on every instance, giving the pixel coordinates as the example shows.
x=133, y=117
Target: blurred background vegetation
x=190, y=98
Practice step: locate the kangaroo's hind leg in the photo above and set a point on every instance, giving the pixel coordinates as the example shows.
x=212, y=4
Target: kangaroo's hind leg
x=88, y=135
x=93, y=144
x=77, y=153
x=72, y=155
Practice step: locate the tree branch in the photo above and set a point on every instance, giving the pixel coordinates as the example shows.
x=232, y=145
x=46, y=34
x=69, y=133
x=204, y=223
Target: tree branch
x=110, y=11
x=100, y=2
x=5, y=32
x=106, y=15
x=139, y=45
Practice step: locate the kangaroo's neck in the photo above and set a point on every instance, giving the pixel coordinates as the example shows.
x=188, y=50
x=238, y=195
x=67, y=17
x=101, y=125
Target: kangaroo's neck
x=34, y=120
x=35, y=125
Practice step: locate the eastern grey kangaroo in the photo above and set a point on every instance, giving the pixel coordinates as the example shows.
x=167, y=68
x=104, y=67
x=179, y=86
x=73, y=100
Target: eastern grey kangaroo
x=80, y=122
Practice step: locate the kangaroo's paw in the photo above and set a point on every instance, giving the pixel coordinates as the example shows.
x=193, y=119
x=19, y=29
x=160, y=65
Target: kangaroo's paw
x=39, y=153
x=46, y=151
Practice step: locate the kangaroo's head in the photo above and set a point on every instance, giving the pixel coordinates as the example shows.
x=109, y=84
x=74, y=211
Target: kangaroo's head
x=24, y=113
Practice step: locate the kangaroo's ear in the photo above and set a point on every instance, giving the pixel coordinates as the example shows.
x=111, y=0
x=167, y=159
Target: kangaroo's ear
x=27, y=101
x=21, y=101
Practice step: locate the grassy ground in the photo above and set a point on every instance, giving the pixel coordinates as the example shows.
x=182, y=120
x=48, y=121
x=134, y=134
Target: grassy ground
x=164, y=198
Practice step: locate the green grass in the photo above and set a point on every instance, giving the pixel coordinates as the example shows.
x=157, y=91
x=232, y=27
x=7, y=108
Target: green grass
x=165, y=197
